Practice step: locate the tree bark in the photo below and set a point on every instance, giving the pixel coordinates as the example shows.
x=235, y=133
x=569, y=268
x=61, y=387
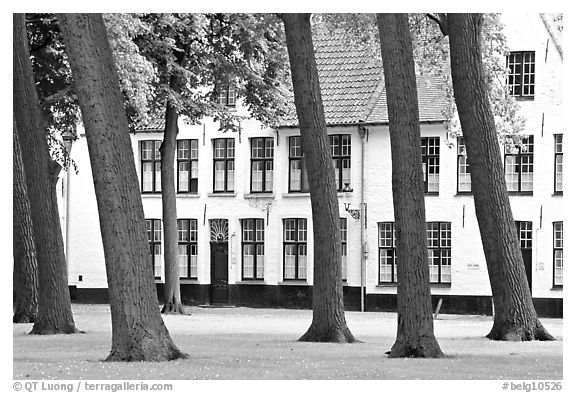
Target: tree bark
x=172, y=299
x=25, y=265
x=415, y=334
x=328, y=321
x=54, y=309
x=138, y=331
x=515, y=318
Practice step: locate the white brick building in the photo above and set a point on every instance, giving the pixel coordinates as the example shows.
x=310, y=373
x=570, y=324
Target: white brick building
x=275, y=216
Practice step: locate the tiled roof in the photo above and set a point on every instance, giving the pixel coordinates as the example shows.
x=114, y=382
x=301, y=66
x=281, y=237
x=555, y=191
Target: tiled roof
x=153, y=125
x=352, y=83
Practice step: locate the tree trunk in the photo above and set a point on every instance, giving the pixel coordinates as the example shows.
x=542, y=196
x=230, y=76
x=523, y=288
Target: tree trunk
x=415, y=334
x=25, y=265
x=515, y=318
x=54, y=309
x=172, y=299
x=138, y=331
x=328, y=321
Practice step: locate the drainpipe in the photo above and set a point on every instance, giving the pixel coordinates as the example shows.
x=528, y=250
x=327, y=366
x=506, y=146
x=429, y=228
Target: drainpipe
x=362, y=132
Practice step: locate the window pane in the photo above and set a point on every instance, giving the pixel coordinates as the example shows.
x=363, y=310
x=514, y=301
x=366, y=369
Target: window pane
x=219, y=169
x=289, y=261
x=257, y=173
x=183, y=149
x=230, y=184
x=183, y=259
x=183, y=176
x=147, y=176
x=248, y=254
x=302, y=261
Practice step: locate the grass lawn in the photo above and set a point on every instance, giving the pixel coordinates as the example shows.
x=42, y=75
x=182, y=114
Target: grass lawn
x=246, y=343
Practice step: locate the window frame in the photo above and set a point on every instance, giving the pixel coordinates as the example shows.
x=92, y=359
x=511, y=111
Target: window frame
x=519, y=165
x=151, y=230
x=226, y=159
x=293, y=156
x=462, y=156
x=344, y=247
x=557, y=248
x=297, y=243
x=558, y=153
x=386, y=245
x=521, y=76
x=190, y=244
x=265, y=160
x=156, y=166
x=190, y=160
x=255, y=242
x=440, y=248
x=427, y=160
x=341, y=158
x=227, y=95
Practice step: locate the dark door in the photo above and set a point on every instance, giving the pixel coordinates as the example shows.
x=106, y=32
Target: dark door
x=219, y=273
x=524, y=230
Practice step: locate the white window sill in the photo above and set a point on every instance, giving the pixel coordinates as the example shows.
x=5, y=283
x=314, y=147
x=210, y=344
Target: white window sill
x=260, y=195
x=222, y=194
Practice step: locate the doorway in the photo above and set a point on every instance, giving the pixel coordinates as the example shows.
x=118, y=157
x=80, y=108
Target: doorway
x=524, y=231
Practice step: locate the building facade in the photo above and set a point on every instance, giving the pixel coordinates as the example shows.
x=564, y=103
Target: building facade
x=244, y=215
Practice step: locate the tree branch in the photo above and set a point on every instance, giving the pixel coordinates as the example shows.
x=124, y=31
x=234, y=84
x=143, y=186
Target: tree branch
x=442, y=22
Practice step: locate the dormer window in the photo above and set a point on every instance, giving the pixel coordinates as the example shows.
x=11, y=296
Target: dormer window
x=227, y=95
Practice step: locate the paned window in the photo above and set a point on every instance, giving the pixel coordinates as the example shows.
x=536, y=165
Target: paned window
x=344, y=242
x=261, y=164
x=187, y=162
x=340, y=146
x=223, y=165
x=558, y=164
x=439, y=236
x=150, y=166
x=431, y=164
x=519, y=166
x=295, y=249
x=524, y=231
x=387, y=253
x=464, y=179
x=188, y=248
x=154, y=233
x=252, y=249
x=297, y=176
x=558, y=254
x=521, y=73
x=227, y=95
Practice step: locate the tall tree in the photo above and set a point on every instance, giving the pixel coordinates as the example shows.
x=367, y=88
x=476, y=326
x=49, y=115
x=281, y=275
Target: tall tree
x=25, y=265
x=328, y=321
x=415, y=334
x=41, y=173
x=515, y=318
x=138, y=331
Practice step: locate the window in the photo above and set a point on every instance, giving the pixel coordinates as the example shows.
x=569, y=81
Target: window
x=387, y=253
x=188, y=248
x=261, y=164
x=344, y=242
x=464, y=179
x=524, y=231
x=227, y=95
x=252, y=249
x=295, y=249
x=439, y=236
x=519, y=166
x=431, y=164
x=297, y=176
x=154, y=232
x=187, y=161
x=558, y=254
x=521, y=73
x=340, y=145
x=224, y=165
x=150, y=166
x=558, y=161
